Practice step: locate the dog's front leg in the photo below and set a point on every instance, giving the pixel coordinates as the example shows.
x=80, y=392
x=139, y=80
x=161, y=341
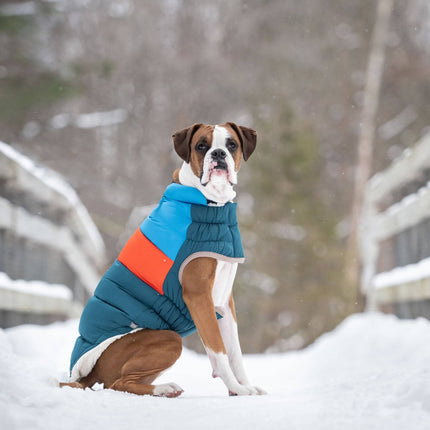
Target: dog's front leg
x=197, y=282
x=230, y=335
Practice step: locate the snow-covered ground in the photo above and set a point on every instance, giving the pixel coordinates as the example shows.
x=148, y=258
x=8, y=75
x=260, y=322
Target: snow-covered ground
x=372, y=372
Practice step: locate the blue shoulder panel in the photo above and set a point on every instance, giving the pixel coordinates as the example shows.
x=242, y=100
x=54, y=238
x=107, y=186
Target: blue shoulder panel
x=166, y=227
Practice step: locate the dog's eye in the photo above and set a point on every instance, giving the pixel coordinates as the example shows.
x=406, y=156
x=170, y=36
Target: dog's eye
x=201, y=147
x=231, y=145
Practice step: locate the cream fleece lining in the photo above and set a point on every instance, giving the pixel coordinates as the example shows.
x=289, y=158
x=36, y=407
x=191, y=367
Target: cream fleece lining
x=206, y=254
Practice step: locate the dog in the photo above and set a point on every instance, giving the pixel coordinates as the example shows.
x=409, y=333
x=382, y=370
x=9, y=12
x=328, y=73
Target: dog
x=173, y=276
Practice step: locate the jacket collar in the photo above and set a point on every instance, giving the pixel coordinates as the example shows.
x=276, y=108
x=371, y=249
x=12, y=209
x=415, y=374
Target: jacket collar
x=185, y=194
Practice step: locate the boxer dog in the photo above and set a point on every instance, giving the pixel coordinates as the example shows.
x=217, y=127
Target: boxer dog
x=132, y=360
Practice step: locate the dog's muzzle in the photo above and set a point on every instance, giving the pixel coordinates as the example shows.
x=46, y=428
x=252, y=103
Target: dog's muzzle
x=219, y=156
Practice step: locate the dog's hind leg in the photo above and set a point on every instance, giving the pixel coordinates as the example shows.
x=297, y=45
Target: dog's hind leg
x=86, y=382
x=83, y=383
x=133, y=362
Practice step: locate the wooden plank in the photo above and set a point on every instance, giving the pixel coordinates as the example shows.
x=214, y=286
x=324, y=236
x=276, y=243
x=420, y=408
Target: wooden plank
x=19, y=301
x=403, y=170
x=411, y=291
x=7, y=169
x=410, y=211
x=42, y=231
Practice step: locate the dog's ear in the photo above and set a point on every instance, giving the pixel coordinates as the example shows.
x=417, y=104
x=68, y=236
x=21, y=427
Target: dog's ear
x=247, y=137
x=182, y=141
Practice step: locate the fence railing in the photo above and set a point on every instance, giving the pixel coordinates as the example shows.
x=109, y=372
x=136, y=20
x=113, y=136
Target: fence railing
x=395, y=240
x=51, y=253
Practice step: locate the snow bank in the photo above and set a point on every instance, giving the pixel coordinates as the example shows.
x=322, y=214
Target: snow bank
x=372, y=372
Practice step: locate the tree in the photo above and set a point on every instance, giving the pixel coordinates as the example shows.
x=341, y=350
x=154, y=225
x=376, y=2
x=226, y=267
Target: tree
x=365, y=141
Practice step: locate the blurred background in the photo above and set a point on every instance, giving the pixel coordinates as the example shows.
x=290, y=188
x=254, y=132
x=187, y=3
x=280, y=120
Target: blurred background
x=94, y=89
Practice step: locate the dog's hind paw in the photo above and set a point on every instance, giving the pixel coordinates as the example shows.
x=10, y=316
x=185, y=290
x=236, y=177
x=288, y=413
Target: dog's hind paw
x=167, y=390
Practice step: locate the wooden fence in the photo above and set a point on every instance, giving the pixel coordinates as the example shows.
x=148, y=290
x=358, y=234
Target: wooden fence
x=395, y=240
x=51, y=253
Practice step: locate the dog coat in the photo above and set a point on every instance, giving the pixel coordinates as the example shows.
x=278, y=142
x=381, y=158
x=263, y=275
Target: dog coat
x=142, y=289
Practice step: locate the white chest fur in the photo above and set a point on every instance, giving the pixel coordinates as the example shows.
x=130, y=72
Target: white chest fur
x=223, y=284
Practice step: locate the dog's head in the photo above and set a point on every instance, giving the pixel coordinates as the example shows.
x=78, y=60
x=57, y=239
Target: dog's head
x=212, y=156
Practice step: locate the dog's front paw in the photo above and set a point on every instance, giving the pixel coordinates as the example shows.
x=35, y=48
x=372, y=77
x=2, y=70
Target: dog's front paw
x=167, y=390
x=258, y=391
x=246, y=390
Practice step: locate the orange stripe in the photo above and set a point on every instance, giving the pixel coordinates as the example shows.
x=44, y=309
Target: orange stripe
x=145, y=260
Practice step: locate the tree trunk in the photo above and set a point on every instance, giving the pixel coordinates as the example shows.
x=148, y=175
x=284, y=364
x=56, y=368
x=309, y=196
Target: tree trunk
x=365, y=143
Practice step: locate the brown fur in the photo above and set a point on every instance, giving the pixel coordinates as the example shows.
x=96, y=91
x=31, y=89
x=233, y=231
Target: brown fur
x=176, y=176
x=132, y=362
x=204, y=132
x=247, y=138
x=237, y=155
x=197, y=283
x=232, y=307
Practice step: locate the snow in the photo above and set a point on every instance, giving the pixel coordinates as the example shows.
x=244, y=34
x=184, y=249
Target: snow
x=264, y=282
x=284, y=230
x=89, y=120
x=372, y=372
x=99, y=119
x=403, y=275
x=21, y=9
x=38, y=288
x=409, y=200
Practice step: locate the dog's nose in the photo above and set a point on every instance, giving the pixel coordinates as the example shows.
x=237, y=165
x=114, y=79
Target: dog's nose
x=218, y=154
